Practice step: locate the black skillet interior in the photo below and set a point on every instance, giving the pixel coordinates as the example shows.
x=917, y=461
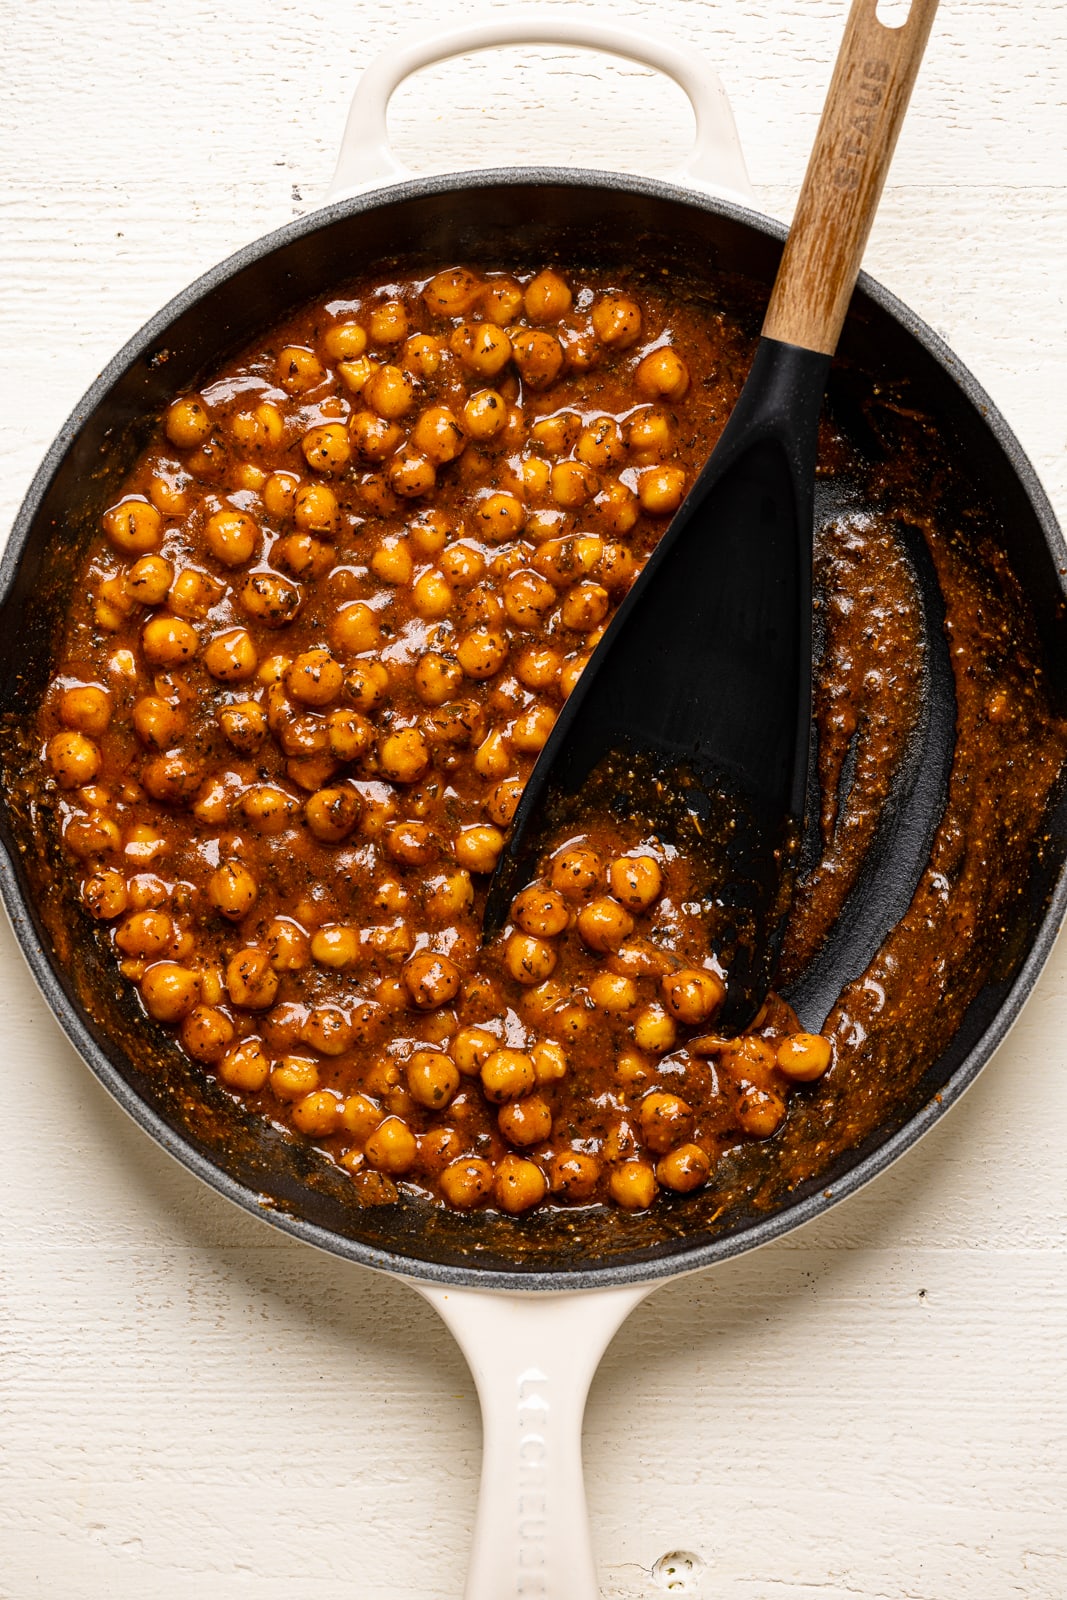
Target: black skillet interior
x=512, y=218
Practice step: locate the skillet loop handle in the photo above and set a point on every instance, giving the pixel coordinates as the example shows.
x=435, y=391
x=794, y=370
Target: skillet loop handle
x=533, y=1357
x=366, y=159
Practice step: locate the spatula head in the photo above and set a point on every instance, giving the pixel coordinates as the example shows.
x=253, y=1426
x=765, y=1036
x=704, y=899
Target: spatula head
x=693, y=714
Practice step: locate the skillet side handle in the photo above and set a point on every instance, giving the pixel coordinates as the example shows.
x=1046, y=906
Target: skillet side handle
x=366, y=158
x=872, y=81
x=533, y=1357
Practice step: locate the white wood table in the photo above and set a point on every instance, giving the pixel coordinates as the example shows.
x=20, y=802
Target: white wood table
x=192, y=1405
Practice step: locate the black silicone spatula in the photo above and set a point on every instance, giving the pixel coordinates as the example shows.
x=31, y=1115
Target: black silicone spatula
x=693, y=714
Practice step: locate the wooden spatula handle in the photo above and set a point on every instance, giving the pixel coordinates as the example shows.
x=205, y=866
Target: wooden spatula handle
x=869, y=94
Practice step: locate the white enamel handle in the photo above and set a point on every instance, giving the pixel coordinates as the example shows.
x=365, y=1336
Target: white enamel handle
x=366, y=158
x=533, y=1357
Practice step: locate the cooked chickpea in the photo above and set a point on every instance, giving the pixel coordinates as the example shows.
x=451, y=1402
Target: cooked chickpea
x=576, y=871
x=245, y=1066
x=298, y=369
x=392, y=560
x=617, y=508
x=244, y=725
x=134, y=526
x=104, y=895
x=538, y=356
x=666, y=1120
x=502, y=300
x=207, y=1034
x=388, y=322
x=74, y=758
x=585, y=607
x=525, y=1122
x=355, y=628
x=500, y=516
x=146, y=935
x=485, y=414
x=613, y=993
x=390, y=392
x=404, y=757
x=530, y=730
x=478, y=848
x=462, y=565
x=391, y=1147
x=600, y=445
x=86, y=708
x=318, y=1114
x=251, y=981
x=661, y=490
x=270, y=599
x=692, y=995
x=466, y=1182
x=432, y=1079
x=603, y=924
x=188, y=422
x=541, y=911
x=654, y=1030
x=431, y=980
x=232, y=537
x=662, y=375
x=573, y=1175
x=804, y=1056
x=148, y=580
x=267, y=809
x=327, y=448
x=287, y=945
x=231, y=657
x=437, y=678
x=684, y=1169
x=471, y=1049
x=262, y=428
x=547, y=297
x=171, y=777
x=345, y=341
x=760, y=1112
x=314, y=678
x=503, y=801
x=169, y=991
x=632, y=1185
x=481, y=348
x=335, y=945
x=529, y=959
x=232, y=890
x=617, y=321
x=367, y=684
x=432, y=595
x=315, y=508
x=438, y=435
x=508, y=1075
x=168, y=641
x=293, y=1077
x=636, y=881
x=572, y=484
x=332, y=813
x=348, y=734
x=518, y=1185
x=550, y=1061
x=193, y=593
x=482, y=652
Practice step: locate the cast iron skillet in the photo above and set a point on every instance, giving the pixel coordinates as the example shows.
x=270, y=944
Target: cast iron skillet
x=514, y=217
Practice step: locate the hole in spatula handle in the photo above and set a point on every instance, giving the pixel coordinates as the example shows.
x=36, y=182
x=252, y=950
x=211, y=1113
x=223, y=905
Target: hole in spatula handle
x=893, y=13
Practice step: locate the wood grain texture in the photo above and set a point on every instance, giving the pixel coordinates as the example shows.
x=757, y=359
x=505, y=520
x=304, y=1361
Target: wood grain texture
x=870, y=88
x=191, y=1406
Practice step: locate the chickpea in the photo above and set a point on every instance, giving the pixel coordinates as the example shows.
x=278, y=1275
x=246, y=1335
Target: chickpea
x=390, y=393
x=451, y=895
x=411, y=474
x=572, y=484
x=654, y=1030
x=572, y=1175
x=536, y=476
x=166, y=641
x=556, y=434
x=525, y=1122
x=547, y=297
x=373, y=437
x=318, y=1114
x=188, y=422
x=550, y=1061
x=74, y=758
x=232, y=890
x=146, y=934
x=617, y=567
x=576, y=871
x=438, y=435
x=502, y=300
x=437, y=678
x=503, y=801
x=431, y=980
x=134, y=526
x=193, y=593
x=500, y=516
x=478, y=848
x=661, y=490
x=538, y=667
x=332, y=813
x=86, y=708
x=232, y=537
x=279, y=494
x=617, y=508
x=485, y=414
x=167, y=491
x=632, y=1185
x=335, y=946
x=541, y=911
x=293, y=1077
x=635, y=881
x=760, y=1112
x=355, y=628
x=104, y=895
x=298, y=369
x=94, y=835
x=538, y=357
x=518, y=1185
x=617, y=321
x=314, y=678
x=148, y=580
x=244, y=725
x=360, y=1115
x=348, y=735
x=345, y=341
x=665, y=1120
x=482, y=652
x=245, y=1066
x=315, y=508
x=570, y=672
x=231, y=656
x=388, y=322
x=391, y=1147
x=466, y=1182
x=270, y=599
x=207, y=1034
x=169, y=991
x=481, y=348
x=528, y=959
x=585, y=607
x=392, y=562
x=404, y=757
x=432, y=1079
x=600, y=445
x=471, y=1049
x=684, y=1169
x=251, y=980
x=302, y=556
x=263, y=428
x=603, y=924
x=691, y=995
x=367, y=684
x=530, y=731
x=804, y=1056
x=613, y=993
x=267, y=809
x=287, y=945
x=662, y=375
x=354, y=374
x=327, y=448
x=508, y=1075
x=411, y=843
x=462, y=565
